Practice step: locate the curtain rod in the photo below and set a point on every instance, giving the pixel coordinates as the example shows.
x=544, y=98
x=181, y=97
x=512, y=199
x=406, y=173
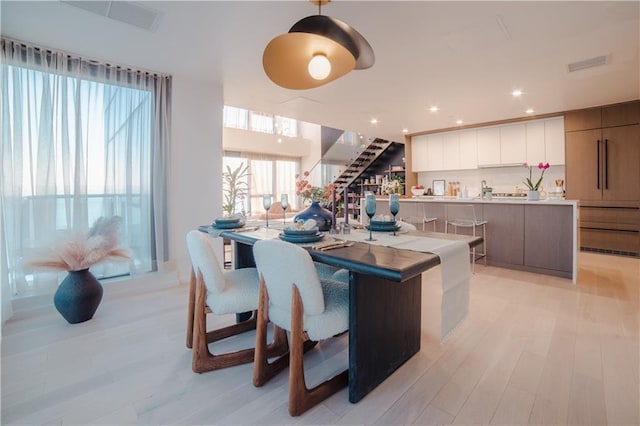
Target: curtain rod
x=96, y=62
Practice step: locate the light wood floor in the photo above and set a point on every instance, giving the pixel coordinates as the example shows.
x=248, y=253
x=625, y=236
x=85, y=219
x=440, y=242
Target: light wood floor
x=534, y=350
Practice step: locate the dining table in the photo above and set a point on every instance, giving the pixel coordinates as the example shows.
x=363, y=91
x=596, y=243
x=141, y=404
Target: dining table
x=385, y=295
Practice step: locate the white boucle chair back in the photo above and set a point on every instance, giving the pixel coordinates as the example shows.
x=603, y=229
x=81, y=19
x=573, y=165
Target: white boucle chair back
x=282, y=264
x=203, y=258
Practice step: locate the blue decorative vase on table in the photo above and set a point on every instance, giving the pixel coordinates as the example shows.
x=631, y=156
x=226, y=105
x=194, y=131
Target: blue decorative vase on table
x=78, y=296
x=318, y=213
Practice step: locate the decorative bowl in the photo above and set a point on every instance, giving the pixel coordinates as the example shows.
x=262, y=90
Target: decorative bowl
x=417, y=191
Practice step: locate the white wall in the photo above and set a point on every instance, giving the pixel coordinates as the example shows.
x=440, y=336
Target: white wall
x=258, y=142
x=501, y=179
x=196, y=165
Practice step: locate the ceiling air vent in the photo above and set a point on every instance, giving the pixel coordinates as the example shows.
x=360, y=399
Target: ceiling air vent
x=588, y=63
x=124, y=11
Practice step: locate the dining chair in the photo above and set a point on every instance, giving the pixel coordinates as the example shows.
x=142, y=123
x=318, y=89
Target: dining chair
x=294, y=298
x=212, y=290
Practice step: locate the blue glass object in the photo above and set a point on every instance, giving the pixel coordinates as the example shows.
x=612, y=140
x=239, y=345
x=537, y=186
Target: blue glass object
x=370, y=209
x=318, y=213
x=394, y=208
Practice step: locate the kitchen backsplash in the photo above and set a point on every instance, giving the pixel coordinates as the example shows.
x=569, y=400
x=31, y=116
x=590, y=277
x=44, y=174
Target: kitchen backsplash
x=501, y=179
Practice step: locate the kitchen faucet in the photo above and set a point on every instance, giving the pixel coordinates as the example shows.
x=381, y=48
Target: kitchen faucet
x=483, y=185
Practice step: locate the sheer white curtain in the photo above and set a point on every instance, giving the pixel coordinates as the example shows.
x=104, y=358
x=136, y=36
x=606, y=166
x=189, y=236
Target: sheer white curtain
x=80, y=140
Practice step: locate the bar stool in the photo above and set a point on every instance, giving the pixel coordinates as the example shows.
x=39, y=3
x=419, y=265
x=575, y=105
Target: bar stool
x=423, y=220
x=464, y=216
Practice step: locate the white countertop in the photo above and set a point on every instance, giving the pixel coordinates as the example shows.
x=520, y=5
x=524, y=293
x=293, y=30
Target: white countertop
x=494, y=200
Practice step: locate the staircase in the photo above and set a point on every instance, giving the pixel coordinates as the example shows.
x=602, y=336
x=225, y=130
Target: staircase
x=361, y=163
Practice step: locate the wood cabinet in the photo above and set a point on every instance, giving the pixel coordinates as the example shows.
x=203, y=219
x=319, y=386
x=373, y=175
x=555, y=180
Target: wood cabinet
x=603, y=172
x=548, y=237
x=603, y=163
x=505, y=234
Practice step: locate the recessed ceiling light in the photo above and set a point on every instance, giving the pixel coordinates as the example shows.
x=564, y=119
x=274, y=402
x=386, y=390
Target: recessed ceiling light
x=516, y=93
x=434, y=109
x=374, y=121
x=361, y=136
x=279, y=140
x=405, y=130
x=530, y=111
x=459, y=121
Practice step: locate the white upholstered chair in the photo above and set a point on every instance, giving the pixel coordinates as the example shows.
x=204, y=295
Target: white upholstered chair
x=213, y=291
x=295, y=299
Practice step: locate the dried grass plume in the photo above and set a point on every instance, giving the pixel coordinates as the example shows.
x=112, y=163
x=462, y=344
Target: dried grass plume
x=78, y=251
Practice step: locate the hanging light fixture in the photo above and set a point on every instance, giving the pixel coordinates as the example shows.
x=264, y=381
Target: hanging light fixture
x=317, y=50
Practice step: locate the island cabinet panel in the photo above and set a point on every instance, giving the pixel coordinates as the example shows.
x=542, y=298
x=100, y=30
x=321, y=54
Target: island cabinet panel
x=505, y=234
x=548, y=237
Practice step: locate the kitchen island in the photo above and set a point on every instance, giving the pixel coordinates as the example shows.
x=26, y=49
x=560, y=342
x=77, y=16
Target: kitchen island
x=536, y=236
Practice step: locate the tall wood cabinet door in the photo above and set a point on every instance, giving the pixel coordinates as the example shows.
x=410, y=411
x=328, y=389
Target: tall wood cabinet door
x=583, y=170
x=621, y=177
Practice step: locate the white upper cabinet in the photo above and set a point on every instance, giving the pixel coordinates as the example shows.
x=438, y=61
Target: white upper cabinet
x=468, y=149
x=488, y=141
x=532, y=142
x=435, y=151
x=419, y=153
x=554, y=140
x=513, y=144
x=535, y=142
x=451, y=151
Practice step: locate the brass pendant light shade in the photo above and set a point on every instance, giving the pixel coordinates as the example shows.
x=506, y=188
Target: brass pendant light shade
x=291, y=60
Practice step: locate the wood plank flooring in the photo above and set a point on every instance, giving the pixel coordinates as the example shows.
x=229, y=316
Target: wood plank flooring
x=534, y=350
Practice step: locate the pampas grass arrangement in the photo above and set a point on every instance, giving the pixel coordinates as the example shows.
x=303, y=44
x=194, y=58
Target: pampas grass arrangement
x=78, y=251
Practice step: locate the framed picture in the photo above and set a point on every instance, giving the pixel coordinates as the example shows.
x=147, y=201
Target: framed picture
x=438, y=187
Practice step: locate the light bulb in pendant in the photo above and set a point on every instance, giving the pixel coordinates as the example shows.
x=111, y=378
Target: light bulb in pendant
x=319, y=67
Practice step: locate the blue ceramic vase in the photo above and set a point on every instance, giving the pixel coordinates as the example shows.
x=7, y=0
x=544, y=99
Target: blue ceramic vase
x=321, y=215
x=78, y=296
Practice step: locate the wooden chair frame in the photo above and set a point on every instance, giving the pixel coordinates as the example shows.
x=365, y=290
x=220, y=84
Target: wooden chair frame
x=198, y=338
x=301, y=398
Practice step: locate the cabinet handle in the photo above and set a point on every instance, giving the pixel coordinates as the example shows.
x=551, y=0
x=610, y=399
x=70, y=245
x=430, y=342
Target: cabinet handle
x=606, y=164
x=598, y=163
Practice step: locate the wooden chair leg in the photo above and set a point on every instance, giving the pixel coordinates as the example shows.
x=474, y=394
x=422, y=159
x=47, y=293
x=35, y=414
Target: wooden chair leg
x=263, y=371
x=300, y=398
x=201, y=359
x=191, y=301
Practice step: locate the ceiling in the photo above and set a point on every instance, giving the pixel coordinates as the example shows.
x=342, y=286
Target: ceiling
x=464, y=57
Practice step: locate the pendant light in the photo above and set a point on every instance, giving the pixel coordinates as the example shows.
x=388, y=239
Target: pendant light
x=317, y=50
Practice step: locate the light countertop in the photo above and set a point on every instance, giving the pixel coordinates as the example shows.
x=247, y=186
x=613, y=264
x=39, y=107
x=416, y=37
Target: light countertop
x=494, y=200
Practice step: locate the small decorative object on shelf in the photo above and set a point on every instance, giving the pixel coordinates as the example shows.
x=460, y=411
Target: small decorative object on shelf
x=79, y=294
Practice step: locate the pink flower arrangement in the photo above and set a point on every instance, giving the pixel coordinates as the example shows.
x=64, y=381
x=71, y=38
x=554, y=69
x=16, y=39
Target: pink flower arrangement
x=528, y=182
x=314, y=193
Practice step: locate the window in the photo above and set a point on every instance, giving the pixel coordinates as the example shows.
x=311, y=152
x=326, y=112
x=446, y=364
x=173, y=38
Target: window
x=267, y=175
x=240, y=118
x=80, y=140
